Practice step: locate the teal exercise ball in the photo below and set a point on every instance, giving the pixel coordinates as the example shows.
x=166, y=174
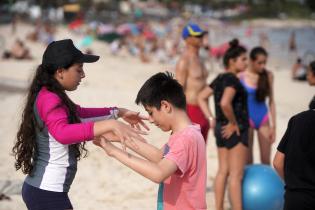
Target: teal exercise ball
x=262, y=188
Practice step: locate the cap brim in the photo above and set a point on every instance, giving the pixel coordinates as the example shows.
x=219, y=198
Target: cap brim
x=88, y=58
x=202, y=34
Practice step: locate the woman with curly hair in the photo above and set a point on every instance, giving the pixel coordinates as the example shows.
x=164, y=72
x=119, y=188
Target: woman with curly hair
x=53, y=128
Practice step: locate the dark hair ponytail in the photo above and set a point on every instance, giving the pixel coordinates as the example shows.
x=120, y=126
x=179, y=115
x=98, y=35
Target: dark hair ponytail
x=263, y=86
x=25, y=145
x=233, y=52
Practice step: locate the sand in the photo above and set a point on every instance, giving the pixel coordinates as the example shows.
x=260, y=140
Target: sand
x=101, y=182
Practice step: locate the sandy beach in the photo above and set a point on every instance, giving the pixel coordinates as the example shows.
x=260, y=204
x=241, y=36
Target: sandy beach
x=101, y=182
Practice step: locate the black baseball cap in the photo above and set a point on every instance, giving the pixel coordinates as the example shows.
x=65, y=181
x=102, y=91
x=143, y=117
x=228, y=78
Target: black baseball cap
x=63, y=53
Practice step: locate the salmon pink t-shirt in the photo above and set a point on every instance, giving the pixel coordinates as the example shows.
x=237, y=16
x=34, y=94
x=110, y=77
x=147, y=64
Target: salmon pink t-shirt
x=186, y=188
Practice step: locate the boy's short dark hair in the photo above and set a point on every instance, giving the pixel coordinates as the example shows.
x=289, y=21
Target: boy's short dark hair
x=161, y=86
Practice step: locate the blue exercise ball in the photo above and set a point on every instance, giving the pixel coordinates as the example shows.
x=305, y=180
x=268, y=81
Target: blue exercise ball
x=262, y=188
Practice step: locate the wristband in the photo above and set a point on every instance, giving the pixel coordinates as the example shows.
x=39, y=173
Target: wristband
x=115, y=112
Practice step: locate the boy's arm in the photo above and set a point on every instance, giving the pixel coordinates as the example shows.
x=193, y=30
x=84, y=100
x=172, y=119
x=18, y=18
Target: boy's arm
x=278, y=163
x=144, y=149
x=156, y=172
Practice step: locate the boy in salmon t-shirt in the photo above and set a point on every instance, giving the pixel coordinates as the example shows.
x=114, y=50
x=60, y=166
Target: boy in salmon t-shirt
x=180, y=165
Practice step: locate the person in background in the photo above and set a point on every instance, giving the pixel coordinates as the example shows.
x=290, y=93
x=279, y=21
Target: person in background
x=298, y=71
x=231, y=130
x=192, y=75
x=258, y=83
x=294, y=160
x=295, y=163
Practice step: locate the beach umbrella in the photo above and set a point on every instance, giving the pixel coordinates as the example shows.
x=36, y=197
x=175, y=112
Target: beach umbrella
x=128, y=28
x=149, y=34
x=86, y=41
x=76, y=24
x=105, y=29
x=123, y=29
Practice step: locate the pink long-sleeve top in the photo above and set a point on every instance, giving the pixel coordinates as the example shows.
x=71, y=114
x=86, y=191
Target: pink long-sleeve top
x=55, y=117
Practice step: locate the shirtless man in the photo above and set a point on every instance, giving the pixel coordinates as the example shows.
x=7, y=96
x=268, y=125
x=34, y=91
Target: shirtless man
x=192, y=75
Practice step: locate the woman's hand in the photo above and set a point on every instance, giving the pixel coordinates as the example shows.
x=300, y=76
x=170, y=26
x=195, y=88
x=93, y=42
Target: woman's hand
x=228, y=130
x=110, y=136
x=133, y=118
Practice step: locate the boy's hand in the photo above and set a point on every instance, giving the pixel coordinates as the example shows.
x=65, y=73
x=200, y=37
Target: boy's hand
x=133, y=118
x=126, y=134
x=228, y=130
x=110, y=136
x=97, y=141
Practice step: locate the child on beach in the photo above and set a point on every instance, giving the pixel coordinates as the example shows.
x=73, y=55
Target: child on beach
x=258, y=83
x=53, y=129
x=180, y=166
x=231, y=130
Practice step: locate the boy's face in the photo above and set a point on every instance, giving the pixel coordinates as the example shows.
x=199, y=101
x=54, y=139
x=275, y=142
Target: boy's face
x=159, y=117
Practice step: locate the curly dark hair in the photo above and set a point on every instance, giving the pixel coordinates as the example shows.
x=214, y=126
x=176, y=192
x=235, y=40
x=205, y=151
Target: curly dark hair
x=25, y=147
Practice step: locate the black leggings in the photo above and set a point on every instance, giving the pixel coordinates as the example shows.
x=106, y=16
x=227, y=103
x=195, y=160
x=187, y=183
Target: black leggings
x=38, y=199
